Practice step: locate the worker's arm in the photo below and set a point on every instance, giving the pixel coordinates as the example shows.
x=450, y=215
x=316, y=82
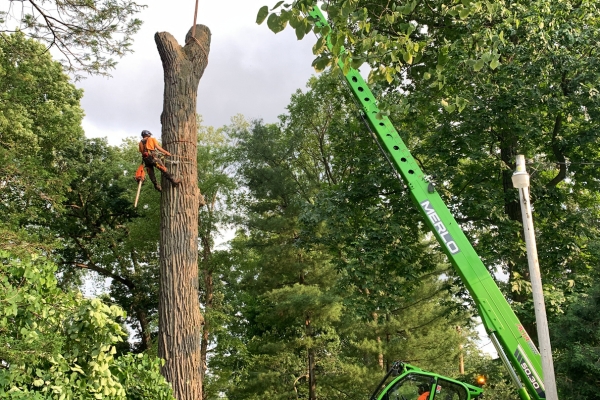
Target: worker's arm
x=162, y=150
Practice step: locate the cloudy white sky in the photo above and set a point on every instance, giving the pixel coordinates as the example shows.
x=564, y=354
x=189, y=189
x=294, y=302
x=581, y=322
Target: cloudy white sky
x=251, y=71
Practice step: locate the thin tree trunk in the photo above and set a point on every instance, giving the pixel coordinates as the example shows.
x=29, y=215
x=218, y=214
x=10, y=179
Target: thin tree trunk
x=142, y=318
x=388, y=338
x=180, y=319
x=380, y=355
x=208, y=300
x=312, y=378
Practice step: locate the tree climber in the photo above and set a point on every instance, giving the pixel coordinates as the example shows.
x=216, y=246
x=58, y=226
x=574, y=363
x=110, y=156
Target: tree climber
x=149, y=148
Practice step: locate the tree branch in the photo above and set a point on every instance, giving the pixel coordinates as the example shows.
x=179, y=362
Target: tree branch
x=104, y=272
x=560, y=157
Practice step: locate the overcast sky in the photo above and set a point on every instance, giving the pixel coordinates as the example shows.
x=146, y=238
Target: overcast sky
x=251, y=70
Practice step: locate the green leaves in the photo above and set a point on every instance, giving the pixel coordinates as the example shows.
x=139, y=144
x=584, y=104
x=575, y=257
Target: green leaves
x=40, y=118
x=491, y=58
x=70, y=352
x=576, y=342
x=448, y=107
x=458, y=103
x=91, y=33
x=262, y=14
x=324, y=264
x=276, y=6
x=494, y=63
x=478, y=65
x=321, y=62
x=276, y=23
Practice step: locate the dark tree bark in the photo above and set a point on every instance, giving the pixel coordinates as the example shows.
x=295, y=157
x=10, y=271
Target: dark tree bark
x=312, y=376
x=180, y=319
x=208, y=297
x=142, y=317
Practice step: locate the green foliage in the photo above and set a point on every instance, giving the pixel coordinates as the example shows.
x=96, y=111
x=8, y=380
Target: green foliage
x=69, y=199
x=100, y=231
x=498, y=385
x=327, y=279
x=140, y=375
x=40, y=117
x=537, y=102
x=217, y=186
x=86, y=33
x=576, y=343
x=58, y=345
x=389, y=36
x=40, y=107
x=529, y=92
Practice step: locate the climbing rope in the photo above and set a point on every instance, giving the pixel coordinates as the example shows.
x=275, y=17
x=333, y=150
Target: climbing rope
x=195, y=17
x=176, y=160
x=194, y=26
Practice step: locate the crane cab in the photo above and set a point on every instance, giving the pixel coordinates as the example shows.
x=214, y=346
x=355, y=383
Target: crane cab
x=407, y=382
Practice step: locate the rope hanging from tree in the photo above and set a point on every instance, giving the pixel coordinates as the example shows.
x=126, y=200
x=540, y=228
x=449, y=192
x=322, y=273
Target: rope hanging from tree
x=194, y=26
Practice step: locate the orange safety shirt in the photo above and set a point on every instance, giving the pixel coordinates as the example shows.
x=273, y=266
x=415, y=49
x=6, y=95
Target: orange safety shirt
x=151, y=144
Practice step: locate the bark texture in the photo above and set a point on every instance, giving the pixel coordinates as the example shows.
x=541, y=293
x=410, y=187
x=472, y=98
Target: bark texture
x=180, y=319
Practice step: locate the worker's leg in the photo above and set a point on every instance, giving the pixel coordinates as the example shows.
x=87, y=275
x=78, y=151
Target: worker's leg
x=150, y=163
x=150, y=170
x=166, y=173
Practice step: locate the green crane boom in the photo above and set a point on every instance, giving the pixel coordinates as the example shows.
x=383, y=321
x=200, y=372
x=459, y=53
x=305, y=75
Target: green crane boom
x=512, y=342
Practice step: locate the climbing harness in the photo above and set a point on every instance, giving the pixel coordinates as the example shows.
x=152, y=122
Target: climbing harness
x=150, y=159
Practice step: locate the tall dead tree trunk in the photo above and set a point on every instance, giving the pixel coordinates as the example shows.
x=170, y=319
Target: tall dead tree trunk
x=180, y=319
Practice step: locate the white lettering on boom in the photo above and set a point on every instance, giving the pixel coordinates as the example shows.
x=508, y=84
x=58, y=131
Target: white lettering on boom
x=440, y=228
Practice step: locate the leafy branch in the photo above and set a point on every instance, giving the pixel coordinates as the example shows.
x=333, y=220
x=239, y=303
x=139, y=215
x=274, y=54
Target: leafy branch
x=88, y=33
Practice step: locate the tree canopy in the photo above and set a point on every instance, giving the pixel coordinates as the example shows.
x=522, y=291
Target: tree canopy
x=469, y=85
x=57, y=344
x=62, y=199
x=40, y=120
x=87, y=34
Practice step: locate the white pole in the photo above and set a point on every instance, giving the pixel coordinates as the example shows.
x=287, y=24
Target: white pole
x=520, y=180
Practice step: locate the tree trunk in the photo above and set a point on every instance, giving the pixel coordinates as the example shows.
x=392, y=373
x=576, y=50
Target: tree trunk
x=180, y=319
x=208, y=298
x=312, y=378
x=142, y=318
x=380, y=355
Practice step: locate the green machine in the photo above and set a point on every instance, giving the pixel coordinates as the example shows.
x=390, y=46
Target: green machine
x=411, y=383
x=514, y=346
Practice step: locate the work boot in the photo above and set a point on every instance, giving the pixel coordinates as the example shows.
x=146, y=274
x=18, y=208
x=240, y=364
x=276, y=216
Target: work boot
x=157, y=187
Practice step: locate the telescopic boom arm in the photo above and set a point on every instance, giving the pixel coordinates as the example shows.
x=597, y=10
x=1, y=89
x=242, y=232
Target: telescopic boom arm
x=512, y=342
